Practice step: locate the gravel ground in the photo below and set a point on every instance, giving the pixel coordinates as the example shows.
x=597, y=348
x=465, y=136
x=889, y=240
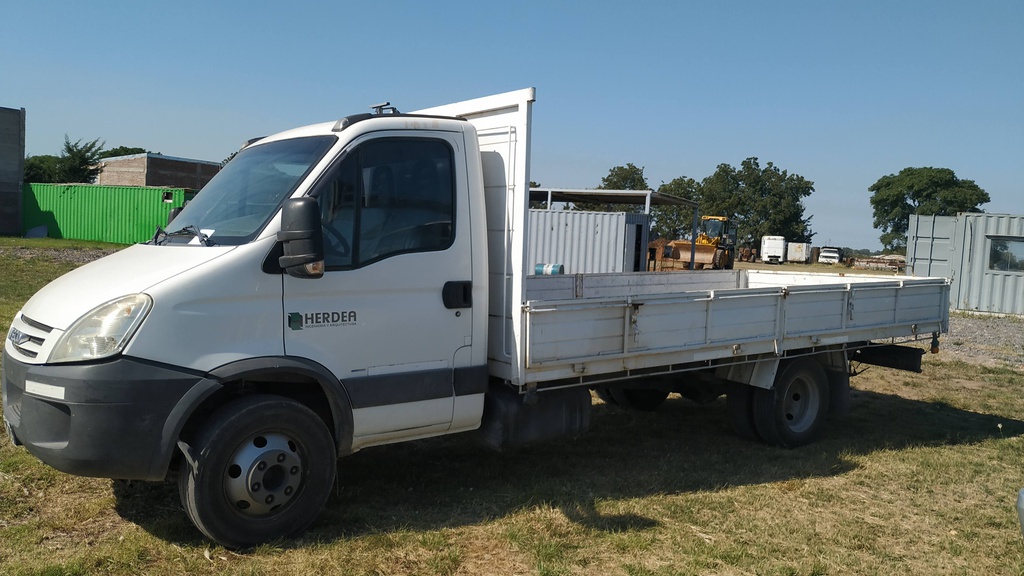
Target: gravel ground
x=979, y=339
x=73, y=255
x=987, y=340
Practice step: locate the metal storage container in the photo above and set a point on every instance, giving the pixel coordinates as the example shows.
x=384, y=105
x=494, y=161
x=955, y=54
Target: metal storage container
x=118, y=214
x=588, y=242
x=799, y=252
x=982, y=253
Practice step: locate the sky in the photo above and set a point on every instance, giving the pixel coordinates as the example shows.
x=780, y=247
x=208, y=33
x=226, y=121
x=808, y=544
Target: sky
x=841, y=93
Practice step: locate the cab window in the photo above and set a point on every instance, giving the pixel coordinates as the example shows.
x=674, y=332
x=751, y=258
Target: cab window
x=386, y=197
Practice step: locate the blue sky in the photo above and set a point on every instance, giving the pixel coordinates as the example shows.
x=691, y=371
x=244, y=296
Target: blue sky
x=840, y=93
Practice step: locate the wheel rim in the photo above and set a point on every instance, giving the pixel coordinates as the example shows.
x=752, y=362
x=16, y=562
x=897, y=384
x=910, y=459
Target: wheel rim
x=263, y=474
x=800, y=404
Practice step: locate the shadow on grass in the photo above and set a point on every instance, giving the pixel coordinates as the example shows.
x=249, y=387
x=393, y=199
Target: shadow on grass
x=681, y=448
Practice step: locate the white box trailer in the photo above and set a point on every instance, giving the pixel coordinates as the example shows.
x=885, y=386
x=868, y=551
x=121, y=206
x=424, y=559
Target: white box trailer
x=773, y=249
x=798, y=252
x=367, y=281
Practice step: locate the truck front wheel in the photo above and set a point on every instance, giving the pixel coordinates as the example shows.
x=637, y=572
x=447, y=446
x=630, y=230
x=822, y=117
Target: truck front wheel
x=793, y=412
x=261, y=468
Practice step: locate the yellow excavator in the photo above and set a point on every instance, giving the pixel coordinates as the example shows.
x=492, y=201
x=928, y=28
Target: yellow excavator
x=715, y=246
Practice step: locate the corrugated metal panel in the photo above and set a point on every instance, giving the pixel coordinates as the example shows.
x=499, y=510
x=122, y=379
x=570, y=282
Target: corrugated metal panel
x=119, y=214
x=930, y=245
x=584, y=242
x=983, y=286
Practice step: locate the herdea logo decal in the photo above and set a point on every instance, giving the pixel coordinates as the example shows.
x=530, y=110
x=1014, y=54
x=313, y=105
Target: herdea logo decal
x=301, y=321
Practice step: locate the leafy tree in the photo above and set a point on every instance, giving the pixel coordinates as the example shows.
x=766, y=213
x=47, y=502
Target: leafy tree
x=628, y=177
x=923, y=191
x=539, y=205
x=672, y=222
x=41, y=169
x=761, y=201
x=122, y=151
x=78, y=162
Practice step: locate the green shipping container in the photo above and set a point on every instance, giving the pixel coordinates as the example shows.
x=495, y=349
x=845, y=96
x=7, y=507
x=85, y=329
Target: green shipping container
x=118, y=214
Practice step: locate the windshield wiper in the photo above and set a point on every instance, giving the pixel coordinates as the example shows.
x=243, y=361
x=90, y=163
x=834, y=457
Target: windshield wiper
x=161, y=236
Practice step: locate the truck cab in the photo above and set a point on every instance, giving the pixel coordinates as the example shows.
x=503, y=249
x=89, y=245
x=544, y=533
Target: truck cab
x=366, y=326
x=829, y=255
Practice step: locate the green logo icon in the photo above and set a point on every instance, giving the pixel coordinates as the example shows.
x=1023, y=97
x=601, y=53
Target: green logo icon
x=295, y=320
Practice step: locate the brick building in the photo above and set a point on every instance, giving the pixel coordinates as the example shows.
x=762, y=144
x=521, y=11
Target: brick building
x=156, y=170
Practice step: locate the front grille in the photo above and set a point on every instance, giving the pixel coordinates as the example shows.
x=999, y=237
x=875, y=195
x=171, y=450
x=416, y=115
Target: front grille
x=37, y=325
x=26, y=351
x=28, y=337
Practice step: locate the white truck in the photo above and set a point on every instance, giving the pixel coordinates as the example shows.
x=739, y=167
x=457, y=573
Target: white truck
x=829, y=255
x=363, y=282
x=773, y=249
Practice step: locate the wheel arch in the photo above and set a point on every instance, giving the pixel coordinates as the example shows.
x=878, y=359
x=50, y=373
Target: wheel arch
x=300, y=379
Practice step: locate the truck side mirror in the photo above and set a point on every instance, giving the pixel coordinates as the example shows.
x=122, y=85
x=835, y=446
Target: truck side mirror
x=302, y=238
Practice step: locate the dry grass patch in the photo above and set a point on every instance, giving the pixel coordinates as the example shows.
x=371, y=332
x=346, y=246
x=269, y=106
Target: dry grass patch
x=921, y=478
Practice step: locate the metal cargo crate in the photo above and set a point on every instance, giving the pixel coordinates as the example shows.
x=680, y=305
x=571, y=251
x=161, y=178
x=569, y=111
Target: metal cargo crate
x=118, y=214
x=588, y=242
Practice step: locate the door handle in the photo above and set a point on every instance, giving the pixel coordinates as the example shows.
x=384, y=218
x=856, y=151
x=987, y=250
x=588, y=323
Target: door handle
x=457, y=294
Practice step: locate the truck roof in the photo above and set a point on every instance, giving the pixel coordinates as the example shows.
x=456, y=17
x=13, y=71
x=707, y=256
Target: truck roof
x=325, y=128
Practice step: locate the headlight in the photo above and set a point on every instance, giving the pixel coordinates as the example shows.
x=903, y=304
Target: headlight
x=102, y=332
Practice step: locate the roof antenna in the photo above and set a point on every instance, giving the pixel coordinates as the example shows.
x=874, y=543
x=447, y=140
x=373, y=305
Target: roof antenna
x=379, y=109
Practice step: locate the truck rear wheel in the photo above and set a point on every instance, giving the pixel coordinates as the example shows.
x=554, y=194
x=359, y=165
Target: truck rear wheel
x=793, y=412
x=261, y=468
x=739, y=401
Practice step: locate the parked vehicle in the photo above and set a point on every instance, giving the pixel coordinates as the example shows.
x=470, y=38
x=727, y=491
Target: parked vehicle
x=798, y=252
x=715, y=247
x=829, y=255
x=365, y=281
x=773, y=249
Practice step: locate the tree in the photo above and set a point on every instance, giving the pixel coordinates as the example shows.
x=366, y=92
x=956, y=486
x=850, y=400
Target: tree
x=79, y=162
x=41, y=169
x=628, y=177
x=923, y=191
x=761, y=201
x=122, y=151
x=672, y=222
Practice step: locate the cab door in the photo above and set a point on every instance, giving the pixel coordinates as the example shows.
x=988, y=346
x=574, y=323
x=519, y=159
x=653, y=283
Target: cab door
x=391, y=316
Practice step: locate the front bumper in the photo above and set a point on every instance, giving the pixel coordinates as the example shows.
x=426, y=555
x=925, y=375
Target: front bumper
x=112, y=419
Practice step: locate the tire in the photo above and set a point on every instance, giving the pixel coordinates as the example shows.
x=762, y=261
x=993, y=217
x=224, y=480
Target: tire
x=263, y=469
x=641, y=399
x=793, y=412
x=739, y=404
x=839, y=393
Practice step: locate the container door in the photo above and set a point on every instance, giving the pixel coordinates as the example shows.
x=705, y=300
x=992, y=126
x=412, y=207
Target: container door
x=392, y=316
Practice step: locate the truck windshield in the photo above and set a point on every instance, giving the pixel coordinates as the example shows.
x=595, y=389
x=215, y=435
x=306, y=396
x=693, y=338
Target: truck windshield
x=233, y=207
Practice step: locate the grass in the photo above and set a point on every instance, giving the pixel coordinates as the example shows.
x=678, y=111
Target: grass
x=920, y=478
x=26, y=265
